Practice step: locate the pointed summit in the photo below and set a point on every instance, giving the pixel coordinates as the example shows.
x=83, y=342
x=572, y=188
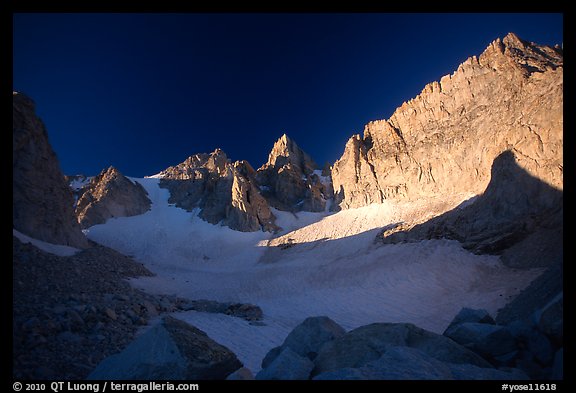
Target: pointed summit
x=289, y=180
x=286, y=151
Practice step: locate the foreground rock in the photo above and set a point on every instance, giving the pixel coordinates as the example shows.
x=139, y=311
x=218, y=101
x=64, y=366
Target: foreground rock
x=42, y=202
x=320, y=349
x=249, y=312
x=69, y=313
x=368, y=343
x=110, y=194
x=288, y=365
x=405, y=363
x=527, y=344
x=170, y=350
x=307, y=338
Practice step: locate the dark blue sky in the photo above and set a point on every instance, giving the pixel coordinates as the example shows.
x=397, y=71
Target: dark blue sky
x=144, y=91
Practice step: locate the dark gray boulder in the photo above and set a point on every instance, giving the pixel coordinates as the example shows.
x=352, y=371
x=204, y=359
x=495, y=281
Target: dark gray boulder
x=368, y=343
x=171, y=350
x=307, y=338
x=551, y=320
x=242, y=374
x=487, y=340
x=558, y=368
x=288, y=365
x=470, y=315
x=405, y=363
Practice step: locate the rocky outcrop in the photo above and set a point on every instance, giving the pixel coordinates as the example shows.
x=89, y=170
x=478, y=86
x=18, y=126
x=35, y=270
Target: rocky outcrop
x=320, y=349
x=110, y=194
x=42, y=203
x=224, y=192
x=236, y=195
x=170, y=350
x=445, y=140
x=288, y=365
x=405, y=363
x=529, y=343
x=249, y=312
x=291, y=181
x=367, y=343
x=71, y=312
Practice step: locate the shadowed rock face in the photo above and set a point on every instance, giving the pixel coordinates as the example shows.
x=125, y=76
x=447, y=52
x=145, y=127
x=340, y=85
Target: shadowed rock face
x=110, y=194
x=42, y=202
x=514, y=207
x=445, y=140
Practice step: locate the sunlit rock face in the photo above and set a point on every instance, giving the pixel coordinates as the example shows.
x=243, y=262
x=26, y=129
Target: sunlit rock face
x=225, y=192
x=110, y=194
x=445, y=140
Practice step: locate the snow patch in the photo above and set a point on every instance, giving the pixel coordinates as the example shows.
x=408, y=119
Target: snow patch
x=326, y=180
x=78, y=184
x=159, y=175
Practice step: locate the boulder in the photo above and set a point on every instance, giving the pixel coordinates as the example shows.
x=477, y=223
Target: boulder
x=271, y=355
x=171, y=350
x=540, y=347
x=368, y=343
x=307, y=338
x=470, y=315
x=288, y=365
x=487, y=340
x=551, y=319
x=249, y=312
x=242, y=374
x=534, y=298
x=558, y=368
x=405, y=363
x=470, y=372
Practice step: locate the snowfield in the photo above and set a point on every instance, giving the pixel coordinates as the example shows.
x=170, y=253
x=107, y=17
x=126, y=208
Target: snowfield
x=320, y=264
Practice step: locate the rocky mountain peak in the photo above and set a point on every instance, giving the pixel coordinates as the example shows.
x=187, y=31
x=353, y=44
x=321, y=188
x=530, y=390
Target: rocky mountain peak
x=528, y=57
x=288, y=179
x=225, y=192
x=446, y=138
x=285, y=151
x=110, y=194
x=216, y=162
